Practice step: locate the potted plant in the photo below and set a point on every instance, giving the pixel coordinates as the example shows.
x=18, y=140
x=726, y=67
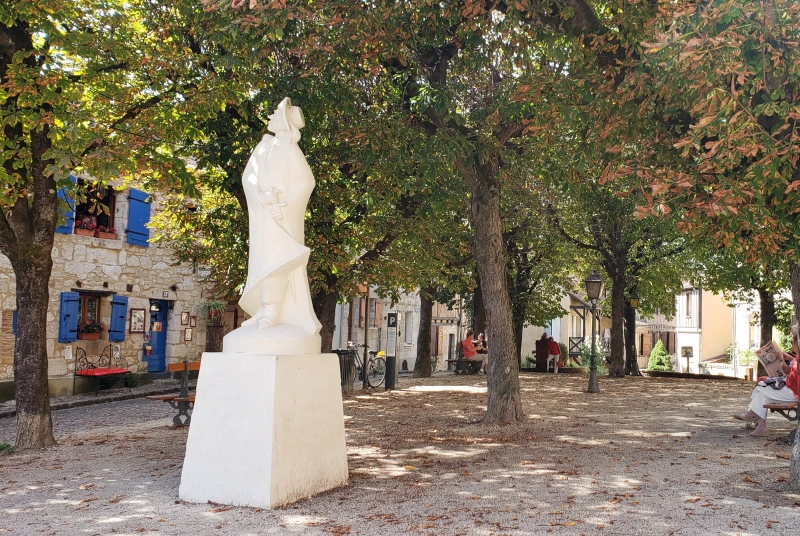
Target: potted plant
x=85, y=226
x=90, y=330
x=109, y=233
x=214, y=310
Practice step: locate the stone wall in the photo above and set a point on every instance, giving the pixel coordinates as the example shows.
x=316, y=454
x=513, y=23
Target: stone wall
x=82, y=263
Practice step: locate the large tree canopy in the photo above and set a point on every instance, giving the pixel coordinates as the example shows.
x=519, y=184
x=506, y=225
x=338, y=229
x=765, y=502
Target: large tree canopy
x=87, y=87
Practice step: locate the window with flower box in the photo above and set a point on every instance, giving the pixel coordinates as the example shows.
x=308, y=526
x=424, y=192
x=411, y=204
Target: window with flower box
x=92, y=213
x=94, y=216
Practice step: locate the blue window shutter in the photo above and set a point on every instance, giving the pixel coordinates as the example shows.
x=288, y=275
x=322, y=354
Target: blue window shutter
x=119, y=315
x=68, y=317
x=69, y=215
x=14, y=323
x=138, y=218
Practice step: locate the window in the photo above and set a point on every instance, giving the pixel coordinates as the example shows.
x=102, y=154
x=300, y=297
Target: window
x=376, y=310
x=97, y=212
x=89, y=308
x=689, y=303
x=408, y=328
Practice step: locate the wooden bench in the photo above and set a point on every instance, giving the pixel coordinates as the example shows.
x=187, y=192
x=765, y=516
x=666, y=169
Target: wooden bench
x=182, y=402
x=108, y=367
x=465, y=366
x=787, y=410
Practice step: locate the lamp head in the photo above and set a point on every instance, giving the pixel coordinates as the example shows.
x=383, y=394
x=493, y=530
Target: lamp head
x=594, y=286
x=633, y=299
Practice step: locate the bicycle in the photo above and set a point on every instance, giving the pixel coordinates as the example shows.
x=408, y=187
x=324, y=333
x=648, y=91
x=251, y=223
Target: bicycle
x=376, y=366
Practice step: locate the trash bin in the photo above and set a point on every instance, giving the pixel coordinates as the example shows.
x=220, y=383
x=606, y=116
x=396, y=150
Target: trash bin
x=392, y=372
x=347, y=369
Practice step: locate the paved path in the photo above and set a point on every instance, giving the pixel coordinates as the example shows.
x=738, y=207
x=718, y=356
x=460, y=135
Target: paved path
x=109, y=415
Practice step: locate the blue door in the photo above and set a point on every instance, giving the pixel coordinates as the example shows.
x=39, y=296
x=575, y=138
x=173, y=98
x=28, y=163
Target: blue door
x=158, y=339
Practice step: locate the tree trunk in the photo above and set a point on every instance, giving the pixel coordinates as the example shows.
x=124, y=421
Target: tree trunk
x=616, y=365
x=794, y=473
x=631, y=365
x=324, y=303
x=422, y=366
x=34, y=424
x=478, y=310
x=504, y=404
x=520, y=325
x=767, y=316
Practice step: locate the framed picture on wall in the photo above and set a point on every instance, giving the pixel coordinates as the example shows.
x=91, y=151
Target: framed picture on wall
x=193, y=322
x=185, y=318
x=137, y=321
x=187, y=334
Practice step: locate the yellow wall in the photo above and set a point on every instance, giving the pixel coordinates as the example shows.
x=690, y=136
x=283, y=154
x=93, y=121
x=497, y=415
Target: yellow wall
x=717, y=327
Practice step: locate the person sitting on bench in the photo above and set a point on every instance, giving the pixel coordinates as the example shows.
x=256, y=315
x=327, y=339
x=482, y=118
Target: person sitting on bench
x=775, y=392
x=471, y=351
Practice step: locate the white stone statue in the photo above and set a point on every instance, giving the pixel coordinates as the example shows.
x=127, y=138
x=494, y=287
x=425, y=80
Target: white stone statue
x=278, y=183
x=268, y=423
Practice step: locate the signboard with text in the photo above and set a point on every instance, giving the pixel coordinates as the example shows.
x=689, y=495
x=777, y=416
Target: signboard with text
x=391, y=342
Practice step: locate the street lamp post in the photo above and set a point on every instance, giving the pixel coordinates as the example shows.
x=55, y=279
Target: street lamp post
x=633, y=303
x=594, y=287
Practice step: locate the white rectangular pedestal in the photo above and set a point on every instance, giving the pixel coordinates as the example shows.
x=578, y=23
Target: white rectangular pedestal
x=266, y=430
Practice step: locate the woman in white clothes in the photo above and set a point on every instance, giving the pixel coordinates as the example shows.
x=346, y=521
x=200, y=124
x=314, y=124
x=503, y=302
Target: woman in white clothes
x=277, y=183
x=785, y=391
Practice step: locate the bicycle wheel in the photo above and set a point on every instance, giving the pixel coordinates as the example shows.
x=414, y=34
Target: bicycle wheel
x=376, y=372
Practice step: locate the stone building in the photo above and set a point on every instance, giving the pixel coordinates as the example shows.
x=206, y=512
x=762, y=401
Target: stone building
x=105, y=270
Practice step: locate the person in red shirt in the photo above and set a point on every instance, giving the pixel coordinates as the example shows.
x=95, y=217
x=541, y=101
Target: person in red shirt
x=763, y=393
x=471, y=351
x=555, y=353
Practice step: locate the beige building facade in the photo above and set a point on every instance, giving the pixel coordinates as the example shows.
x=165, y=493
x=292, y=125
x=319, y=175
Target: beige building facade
x=358, y=316
x=149, y=306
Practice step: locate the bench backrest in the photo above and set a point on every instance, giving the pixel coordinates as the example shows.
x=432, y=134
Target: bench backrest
x=109, y=358
x=180, y=367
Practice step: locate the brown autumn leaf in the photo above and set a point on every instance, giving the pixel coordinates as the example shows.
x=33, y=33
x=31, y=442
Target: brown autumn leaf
x=220, y=509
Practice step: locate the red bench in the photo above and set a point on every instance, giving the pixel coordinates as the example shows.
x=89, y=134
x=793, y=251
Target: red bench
x=108, y=367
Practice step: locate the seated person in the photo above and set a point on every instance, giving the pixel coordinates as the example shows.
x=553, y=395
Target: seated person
x=480, y=344
x=763, y=394
x=471, y=351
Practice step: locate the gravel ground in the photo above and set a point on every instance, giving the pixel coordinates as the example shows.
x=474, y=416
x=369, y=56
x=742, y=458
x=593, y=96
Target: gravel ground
x=644, y=457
